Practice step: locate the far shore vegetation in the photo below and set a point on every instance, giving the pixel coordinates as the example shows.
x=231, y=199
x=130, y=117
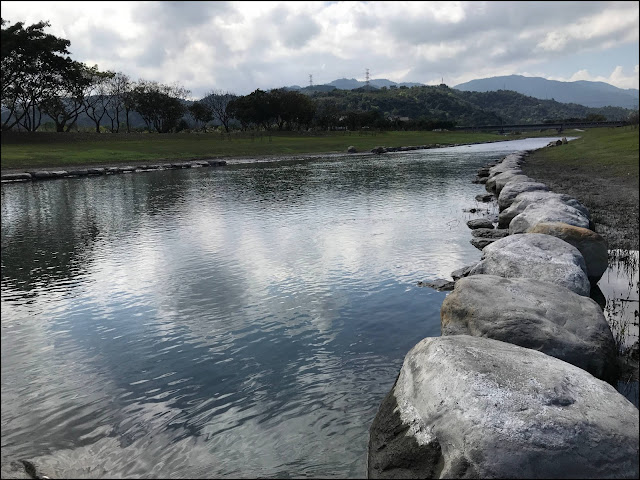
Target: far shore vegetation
x=51, y=149
x=60, y=112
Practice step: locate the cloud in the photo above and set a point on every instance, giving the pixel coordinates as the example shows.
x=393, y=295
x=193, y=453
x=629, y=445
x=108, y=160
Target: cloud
x=241, y=46
x=617, y=77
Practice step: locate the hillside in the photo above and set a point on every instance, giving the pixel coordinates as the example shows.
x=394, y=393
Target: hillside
x=590, y=94
x=465, y=108
x=436, y=104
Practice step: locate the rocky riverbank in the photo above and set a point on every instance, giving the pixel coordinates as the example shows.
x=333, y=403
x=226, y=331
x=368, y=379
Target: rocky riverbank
x=514, y=387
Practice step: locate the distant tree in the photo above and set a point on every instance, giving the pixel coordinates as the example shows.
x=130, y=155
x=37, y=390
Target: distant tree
x=65, y=104
x=217, y=101
x=595, y=117
x=253, y=109
x=201, y=114
x=161, y=106
x=98, y=99
x=292, y=110
x=327, y=114
x=118, y=87
x=34, y=64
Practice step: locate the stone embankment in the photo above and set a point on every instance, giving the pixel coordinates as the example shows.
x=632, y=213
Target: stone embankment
x=517, y=385
x=98, y=171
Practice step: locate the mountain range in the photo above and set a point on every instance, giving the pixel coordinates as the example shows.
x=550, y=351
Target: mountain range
x=582, y=92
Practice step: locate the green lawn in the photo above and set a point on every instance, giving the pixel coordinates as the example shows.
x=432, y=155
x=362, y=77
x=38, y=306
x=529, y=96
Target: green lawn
x=48, y=149
x=609, y=151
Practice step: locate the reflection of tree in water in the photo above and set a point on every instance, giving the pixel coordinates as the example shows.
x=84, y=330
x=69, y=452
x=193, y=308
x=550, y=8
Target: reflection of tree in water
x=280, y=181
x=46, y=231
x=49, y=229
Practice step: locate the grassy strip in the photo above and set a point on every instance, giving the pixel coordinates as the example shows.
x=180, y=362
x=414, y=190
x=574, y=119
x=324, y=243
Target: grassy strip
x=610, y=152
x=33, y=150
x=600, y=169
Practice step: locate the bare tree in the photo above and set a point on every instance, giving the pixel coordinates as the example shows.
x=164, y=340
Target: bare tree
x=67, y=102
x=217, y=102
x=118, y=88
x=98, y=99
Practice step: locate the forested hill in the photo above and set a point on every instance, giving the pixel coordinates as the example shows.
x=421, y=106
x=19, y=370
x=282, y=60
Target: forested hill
x=464, y=108
x=590, y=94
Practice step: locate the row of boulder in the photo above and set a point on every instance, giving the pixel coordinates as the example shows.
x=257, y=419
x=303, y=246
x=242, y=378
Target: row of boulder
x=518, y=384
x=97, y=171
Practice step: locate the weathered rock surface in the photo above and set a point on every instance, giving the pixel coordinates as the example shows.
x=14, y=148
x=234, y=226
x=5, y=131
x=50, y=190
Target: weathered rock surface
x=510, y=162
x=16, y=176
x=46, y=174
x=461, y=272
x=533, y=314
x=480, y=243
x=489, y=233
x=550, y=210
x=492, y=181
x=439, y=284
x=591, y=245
x=538, y=256
x=523, y=200
x=512, y=190
x=470, y=407
x=21, y=469
x=483, y=172
x=479, y=223
x=351, y=149
x=503, y=182
x=484, y=197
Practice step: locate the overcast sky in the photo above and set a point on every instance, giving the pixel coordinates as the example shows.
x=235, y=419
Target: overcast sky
x=241, y=46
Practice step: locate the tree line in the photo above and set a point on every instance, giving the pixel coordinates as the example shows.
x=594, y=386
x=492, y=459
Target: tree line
x=40, y=80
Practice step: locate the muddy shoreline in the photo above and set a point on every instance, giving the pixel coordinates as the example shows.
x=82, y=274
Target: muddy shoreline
x=612, y=200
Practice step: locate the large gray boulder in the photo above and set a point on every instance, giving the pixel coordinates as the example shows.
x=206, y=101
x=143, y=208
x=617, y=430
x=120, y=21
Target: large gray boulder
x=523, y=200
x=470, y=407
x=510, y=162
x=592, y=246
x=550, y=210
x=533, y=314
x=492, y=181
x=535, y=255
x=512, y=190
x=503, y=182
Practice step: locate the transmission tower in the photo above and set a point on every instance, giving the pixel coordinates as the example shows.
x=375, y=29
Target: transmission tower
x=310, y=80
x=366, y=77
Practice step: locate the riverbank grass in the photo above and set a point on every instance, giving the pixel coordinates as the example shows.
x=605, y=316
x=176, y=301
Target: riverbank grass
x=50, y=149
x=603, y=151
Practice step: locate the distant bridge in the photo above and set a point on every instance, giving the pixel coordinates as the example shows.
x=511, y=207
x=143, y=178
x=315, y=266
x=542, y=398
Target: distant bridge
x=559, y=127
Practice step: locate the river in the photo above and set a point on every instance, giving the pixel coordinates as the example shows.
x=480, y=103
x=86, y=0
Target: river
x=243, y=321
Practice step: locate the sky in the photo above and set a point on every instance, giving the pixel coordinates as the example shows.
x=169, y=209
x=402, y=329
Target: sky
x=238, y=47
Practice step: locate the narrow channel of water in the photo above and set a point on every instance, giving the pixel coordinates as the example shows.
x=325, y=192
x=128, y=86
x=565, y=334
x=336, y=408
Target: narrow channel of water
x=237, y=322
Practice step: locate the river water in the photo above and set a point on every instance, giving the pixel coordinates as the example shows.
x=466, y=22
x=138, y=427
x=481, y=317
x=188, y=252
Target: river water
x=244, y=321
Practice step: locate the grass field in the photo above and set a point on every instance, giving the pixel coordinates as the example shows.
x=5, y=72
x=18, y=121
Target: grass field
x=601, y=170
x=49, y=149
x=608, y=151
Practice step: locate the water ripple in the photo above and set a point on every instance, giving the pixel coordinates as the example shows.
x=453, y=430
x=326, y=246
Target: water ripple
x=236, y=322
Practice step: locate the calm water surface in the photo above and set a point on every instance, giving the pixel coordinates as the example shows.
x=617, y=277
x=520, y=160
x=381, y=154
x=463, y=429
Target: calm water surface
x=244, y=321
